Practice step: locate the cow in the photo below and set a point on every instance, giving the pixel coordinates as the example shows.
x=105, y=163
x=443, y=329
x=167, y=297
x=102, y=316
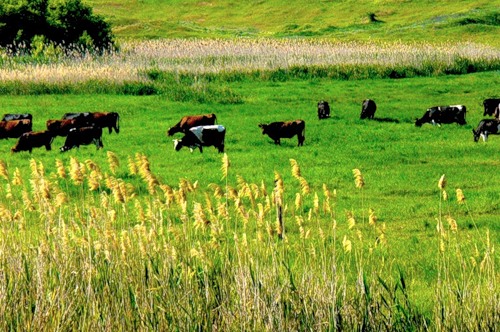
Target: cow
x=14, y=128
x=486, y=127
x=68, y=116
x=62, y=127
x=110, y=120
x=200, y=136
x=288, y=129
x=443, y=114
x=490, y=105
x=190, y=121
x=323, y=110
x=33, y=139
x=83, y=136
x=16, y=116
x=368, y=109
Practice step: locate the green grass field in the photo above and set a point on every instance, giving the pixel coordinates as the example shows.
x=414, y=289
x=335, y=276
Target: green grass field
x=438, y=21
x=137, y=236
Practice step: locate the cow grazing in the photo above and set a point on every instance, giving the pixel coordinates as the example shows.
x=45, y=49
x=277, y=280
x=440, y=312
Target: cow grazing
x=14, y=128
x=15, y=116
x=83, y=136
x=323, y=110
x=485, y=128
x=490, y=105
x=110, y=120
x=34, y=139
x=443, y=114
x=62, y=127
x=190, y=121
x=200, y=136
x=288, y=129
x=368, y=109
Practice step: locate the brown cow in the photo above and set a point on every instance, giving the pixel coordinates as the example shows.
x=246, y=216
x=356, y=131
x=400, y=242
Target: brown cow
x=288, y=129
x=110, y=120
x=34, y=139
x=190, y=121
x=62, y=127
x=14, y=128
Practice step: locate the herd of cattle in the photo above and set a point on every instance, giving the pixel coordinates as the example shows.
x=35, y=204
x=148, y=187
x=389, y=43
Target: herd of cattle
x=201, y=130
x=78, y=128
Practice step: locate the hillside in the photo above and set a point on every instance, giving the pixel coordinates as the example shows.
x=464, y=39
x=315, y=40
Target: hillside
x=389, y=20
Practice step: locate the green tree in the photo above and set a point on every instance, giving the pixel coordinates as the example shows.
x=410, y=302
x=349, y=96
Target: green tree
x=68, y=24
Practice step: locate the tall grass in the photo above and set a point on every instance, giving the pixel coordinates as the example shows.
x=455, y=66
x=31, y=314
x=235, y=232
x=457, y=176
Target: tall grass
x=111, y=247
x=150, y=67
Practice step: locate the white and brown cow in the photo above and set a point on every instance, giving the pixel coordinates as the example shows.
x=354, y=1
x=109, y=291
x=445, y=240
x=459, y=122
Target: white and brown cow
x=190, y=121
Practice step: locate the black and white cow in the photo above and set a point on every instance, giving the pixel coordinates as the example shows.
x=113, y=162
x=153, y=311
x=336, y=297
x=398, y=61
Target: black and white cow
x=323, y=110
x=368, y=109
x=83, y=136
x=490, y=105
x=485, y=128
x=443, y=114
x=199, y=136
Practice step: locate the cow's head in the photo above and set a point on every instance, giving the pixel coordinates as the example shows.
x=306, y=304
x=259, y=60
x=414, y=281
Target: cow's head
x=264, y=128
x=177, y=144
x=477, y=134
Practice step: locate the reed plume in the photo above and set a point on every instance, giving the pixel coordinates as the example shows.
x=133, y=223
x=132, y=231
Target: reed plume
x=225, y=166
x=460, y=196
x=442, y=182
x=61, y=171
x=112, y=161
x=3, y=170
x=358, y=178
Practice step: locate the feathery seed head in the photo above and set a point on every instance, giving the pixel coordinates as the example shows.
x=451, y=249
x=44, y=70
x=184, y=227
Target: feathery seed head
x=358, y=178
x=442, y=182
x=460, y=196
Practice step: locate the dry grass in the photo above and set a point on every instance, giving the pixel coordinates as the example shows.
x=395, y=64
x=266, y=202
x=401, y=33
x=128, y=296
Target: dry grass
x=241, y=55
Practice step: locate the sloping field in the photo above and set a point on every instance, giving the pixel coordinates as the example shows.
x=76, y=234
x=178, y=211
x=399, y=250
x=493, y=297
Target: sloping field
x=421, y=20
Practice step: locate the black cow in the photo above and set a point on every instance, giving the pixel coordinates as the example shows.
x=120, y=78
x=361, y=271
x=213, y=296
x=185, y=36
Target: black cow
x=83, y=136
x=16, y=116
x=190, y=121
x=368, y=109
x=14, y=128
x=323, y=110
x=490, y=105
x=200, y=136
x=288, y=129
x=443, y=114
x=486, y=127
x=34, y=139
x=110, y=120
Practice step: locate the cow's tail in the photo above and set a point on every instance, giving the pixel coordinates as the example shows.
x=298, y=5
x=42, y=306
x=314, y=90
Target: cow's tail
x=215, y=118
x=117, y=123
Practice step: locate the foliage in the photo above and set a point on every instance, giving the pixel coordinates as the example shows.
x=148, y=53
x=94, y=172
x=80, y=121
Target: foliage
x=26, y=26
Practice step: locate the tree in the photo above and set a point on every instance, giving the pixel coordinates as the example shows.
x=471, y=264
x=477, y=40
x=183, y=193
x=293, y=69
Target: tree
x=68, y=24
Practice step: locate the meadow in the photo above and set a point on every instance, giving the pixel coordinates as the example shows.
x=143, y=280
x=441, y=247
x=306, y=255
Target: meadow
x=371, y=225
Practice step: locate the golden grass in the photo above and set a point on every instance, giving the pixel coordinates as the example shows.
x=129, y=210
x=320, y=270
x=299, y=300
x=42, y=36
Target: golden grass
x=239, y=55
